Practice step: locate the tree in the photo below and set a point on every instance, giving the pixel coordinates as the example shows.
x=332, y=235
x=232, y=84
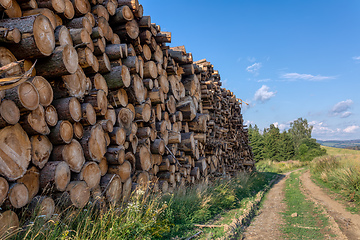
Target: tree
x=256, y=142
x=272, y=143
x=287, y=148
x=299, y=130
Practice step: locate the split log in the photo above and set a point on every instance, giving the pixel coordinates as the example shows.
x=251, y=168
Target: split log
x=111, y=185
x=77, y=194
x=71, y=153
x=62, y=133
x=34, y=122
x=94, y=143
x=4, y=188
x=9, y=113
x=90, y=173
x=15, y=152
x=42, y=206
x=68, y=109
x=115, y=155
x=44, y=89
x=55, y=175
x=18, y=195
x=124, y=170
x=88, y=114
x=118, y=77
x=9, y=224
x=25, y=96
x=41, y=149
x=143, y=158
x=97, y=98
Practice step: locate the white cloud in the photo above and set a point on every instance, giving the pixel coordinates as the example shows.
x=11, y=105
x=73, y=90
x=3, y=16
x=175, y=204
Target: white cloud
x=342, y=106
x=263, y=94
x=254, y=68
x=351, y=129
x=264, y=80
x=281, y=126
x=307, y=77
x=346, y=114
x=248, y=122
x=321, y=128
x=356, y=58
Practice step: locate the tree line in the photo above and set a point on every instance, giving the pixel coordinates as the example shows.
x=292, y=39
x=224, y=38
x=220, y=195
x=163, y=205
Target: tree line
x=294, y=144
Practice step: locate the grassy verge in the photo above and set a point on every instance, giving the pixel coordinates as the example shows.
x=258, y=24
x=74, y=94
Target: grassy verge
x=152, y=216
x=309, y=223
x=340, y=173
x=279, y=167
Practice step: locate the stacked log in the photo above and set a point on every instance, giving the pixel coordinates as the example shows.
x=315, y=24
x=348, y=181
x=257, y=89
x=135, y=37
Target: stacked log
x=109, y=106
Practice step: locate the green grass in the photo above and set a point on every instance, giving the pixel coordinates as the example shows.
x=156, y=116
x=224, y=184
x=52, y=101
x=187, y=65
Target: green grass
x=310, y=223
x=340, y=151
x=279, y=167
x=152, y=216
x=340, y=172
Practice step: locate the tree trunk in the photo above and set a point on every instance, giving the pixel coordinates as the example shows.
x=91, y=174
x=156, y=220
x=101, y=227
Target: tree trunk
x=25, y=96
x=115, y=155
x=118, y=77
x=42, y=206
x=55, y=175
x=62, y=133
x=94, y=143
x=143, y=158
x=88, y=114
x=77, y=194
x=97, y=98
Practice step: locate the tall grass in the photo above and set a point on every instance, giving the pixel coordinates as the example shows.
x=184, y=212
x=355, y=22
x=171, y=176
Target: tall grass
x=341, y=173
x=279, y=167
x=150, y=216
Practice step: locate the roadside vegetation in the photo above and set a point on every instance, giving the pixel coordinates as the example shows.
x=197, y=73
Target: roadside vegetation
x=152, y=216
x=339, y=171
x=303, y=219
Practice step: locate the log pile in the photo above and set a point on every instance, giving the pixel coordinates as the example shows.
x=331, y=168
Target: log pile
x=108, y=107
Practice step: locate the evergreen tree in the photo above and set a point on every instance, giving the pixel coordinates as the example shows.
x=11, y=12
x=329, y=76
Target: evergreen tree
x=257, y=142
x=272, y=143
x=287, y=148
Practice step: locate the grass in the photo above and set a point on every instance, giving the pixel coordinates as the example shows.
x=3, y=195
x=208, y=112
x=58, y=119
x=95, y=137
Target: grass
x=152, y=216
x=340, y=172
x=279, y=167
x=310, y=222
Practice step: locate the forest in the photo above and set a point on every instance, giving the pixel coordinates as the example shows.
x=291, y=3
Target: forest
x=294, y=144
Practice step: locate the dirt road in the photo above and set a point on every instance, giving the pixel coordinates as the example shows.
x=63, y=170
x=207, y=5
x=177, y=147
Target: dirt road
x=267, y=224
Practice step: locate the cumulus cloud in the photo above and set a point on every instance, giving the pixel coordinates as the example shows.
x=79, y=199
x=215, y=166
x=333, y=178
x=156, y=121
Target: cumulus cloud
x=263, y=94
x=356, y=58
x=254, y=68
x=351, y=129
x=281, y=126
x=307, y=77
x=342, y=106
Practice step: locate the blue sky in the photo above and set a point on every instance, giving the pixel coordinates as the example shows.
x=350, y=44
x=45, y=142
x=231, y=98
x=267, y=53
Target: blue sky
x=286, y=58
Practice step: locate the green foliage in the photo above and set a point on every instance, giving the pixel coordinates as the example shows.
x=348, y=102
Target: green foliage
x=279, y=167
x=294, y=144
x=299, y=130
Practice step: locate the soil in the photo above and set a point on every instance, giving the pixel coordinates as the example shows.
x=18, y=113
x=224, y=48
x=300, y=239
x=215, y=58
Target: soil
x=266, y=225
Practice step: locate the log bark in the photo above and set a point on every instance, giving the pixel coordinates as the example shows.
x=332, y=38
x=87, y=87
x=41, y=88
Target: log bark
x=115, y=155
x=97, y=98
x=31, y=180
x=18, y=195
x=63, y=61
x=88, y=114
x=57, y=6
x=34, y=122
x=143, y=158
x=68, y=109
x=119, y=98
x=42, y=206
x=129, y=30
x=118, y=77
x=123, y=14
x=41, y=39
x=77, y=194
x=62, y=133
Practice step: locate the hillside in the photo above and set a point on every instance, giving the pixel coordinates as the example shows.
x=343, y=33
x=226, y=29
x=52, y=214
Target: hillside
x=340, y=144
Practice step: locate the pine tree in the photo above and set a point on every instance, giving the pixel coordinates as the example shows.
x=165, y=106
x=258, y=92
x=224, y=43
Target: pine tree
x=272, y=143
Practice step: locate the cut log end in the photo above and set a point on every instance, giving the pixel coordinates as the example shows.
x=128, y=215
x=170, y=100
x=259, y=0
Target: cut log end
x=9, y=112
x=44, y=35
